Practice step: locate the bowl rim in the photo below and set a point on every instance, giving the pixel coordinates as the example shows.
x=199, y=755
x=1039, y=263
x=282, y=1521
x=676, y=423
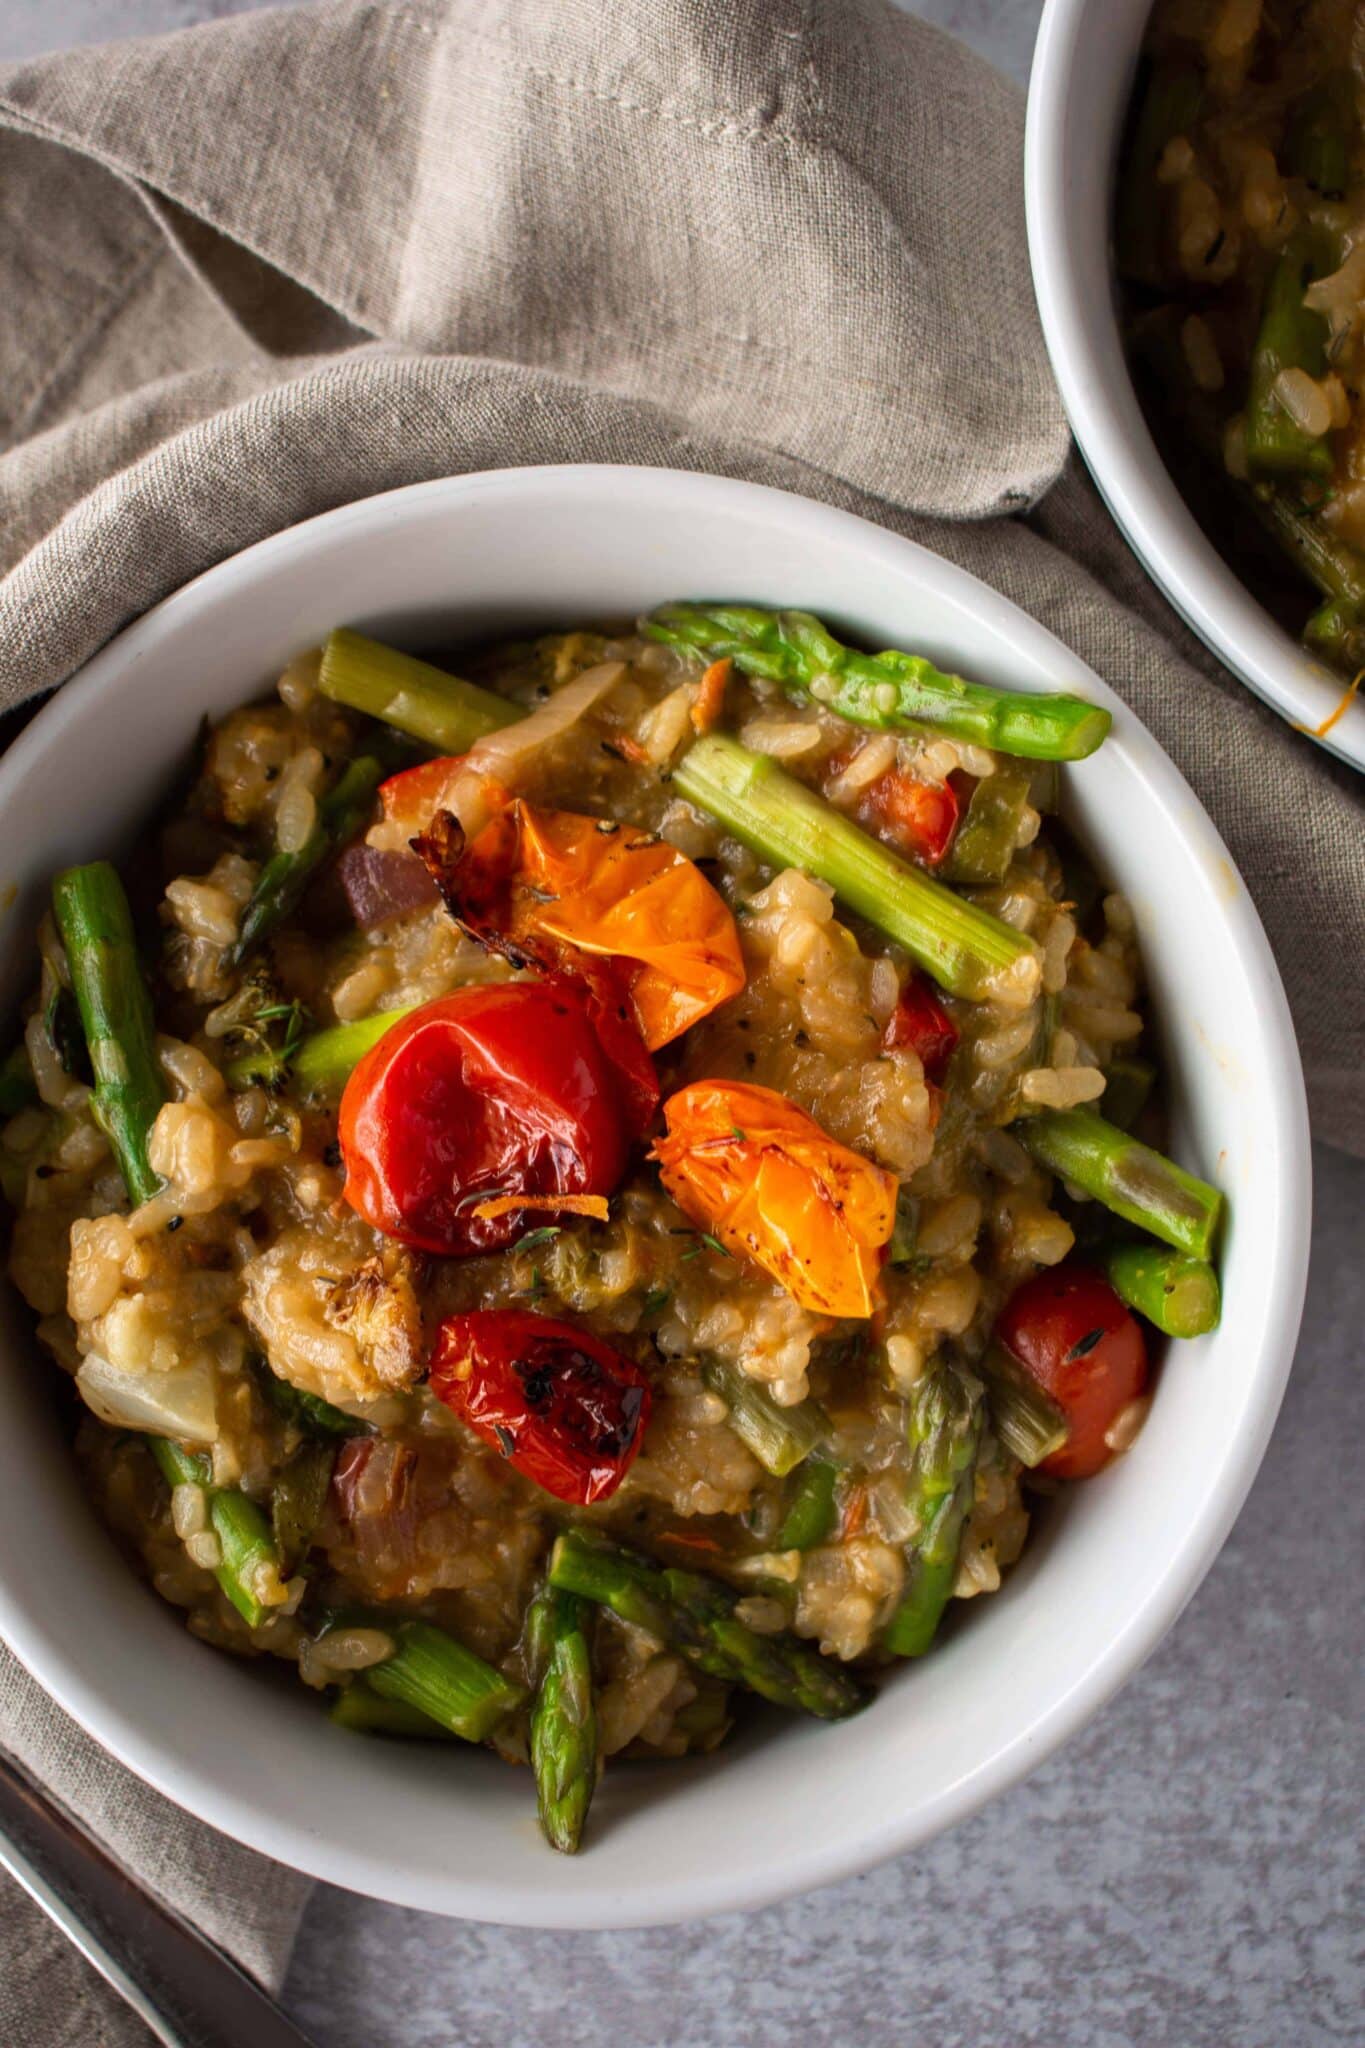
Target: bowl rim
x=1072, y=275
x=808, y=1864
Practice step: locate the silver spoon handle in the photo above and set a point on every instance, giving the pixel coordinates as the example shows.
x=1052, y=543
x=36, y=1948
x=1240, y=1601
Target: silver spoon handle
x=181, y=1985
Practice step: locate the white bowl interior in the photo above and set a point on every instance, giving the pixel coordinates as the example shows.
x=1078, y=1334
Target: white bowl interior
x=1083, y=69
x=793, y=1804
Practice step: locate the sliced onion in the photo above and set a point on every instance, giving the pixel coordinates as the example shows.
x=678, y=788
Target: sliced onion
x=181, y=1403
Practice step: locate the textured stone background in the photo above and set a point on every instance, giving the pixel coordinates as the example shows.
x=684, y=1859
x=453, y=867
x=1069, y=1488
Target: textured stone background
x=1186, y=1873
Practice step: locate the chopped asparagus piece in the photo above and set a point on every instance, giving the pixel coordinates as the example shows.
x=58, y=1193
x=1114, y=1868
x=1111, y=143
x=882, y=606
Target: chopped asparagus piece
x=446, y=712
x=360, y=1707
x=696, y=1616
x=285, y=876
x=325, y=1060
x=1290, y=337
x=1320, y=134
x=564, y=1753
x=1027, y=1421
x=309, y=1411
x=786, y=824
x=298, y=1500
x=988, y=835
x=811, y=1513
x=943, y=1427
x=429, y=1670
x=778, y=1437
x=243, y=1533
x=96, y=928
x=1167, y=104
x=890, y=691
x=1177, y=1293
x=1137, y=1183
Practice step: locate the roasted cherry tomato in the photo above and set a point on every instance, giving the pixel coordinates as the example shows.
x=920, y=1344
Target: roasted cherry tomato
x=752, y=1168
x=487, y=1092
x=920, y=1022
x=1070, y=1331
x=918, y=818
x=560, y=1405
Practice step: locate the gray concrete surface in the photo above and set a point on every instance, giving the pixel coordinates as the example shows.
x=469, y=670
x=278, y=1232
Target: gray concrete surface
x=1186, y=1873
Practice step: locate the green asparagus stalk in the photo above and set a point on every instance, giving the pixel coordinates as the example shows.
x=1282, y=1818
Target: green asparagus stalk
x=1167, y=105
x=429, y=1670
x=984, y=845
x=965, y=949
x=1137, y=1183
x=309, y=1412
x=696, y=1616
x=890, y=691
x=943, y=1427
x=778, y=1437
x=359, y=1706
x=1177, y=1293
x=1336, y=632
x=96, y=928
x=18, y=1090
x=324, y=1061
x=1336, y=568
x=564, y=1754
x=905, y=1230
x=446, y=712
x=298, y=1500
x=1290, y=337
x=812, y=1513
x=1127, y=1086
x=285, y=876
x=244, y=1534
x=1027, y=1421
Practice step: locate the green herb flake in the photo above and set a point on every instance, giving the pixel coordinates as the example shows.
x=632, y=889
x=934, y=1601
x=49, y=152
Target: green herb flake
x=545, y=1234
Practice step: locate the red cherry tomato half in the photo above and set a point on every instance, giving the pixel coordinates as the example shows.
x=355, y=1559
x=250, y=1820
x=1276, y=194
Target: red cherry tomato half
x=918, y=818
x=490, y=1091
x=920, y=1022
x=564, y=1408
x=1068, y=1328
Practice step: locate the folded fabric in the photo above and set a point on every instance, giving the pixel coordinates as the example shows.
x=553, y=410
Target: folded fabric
x=269, y=266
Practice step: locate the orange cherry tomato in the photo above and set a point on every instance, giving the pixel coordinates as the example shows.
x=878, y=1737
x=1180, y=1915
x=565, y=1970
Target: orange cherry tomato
x=749, y=1166
x=563, y=1407
x=485, y=1093
x=551, y=886
x=1070, y=1331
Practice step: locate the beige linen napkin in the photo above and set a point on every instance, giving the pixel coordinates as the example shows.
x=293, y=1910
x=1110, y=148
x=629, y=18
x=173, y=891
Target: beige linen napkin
x=262, y=268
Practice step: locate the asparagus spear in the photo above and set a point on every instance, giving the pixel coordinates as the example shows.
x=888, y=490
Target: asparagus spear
x=1320, y=134
x=1137, y=1183
x=242, y=1530
x=696, y=1616
x=1167, y=103
x=324, y=1061
x=429, y=1670
x=943, y=1426
x=1127, y=1085
x=1290, y=337
x=359, y=1706
x=1027, y=1421
x=888, y=691
x=778, y=1437
x=309, y=1411
x=811, y=1512
x=1336, y=631
x=96, y=928
x=965, y=949
x=984, y=845
x=564, y=1753
x=444, y=710
x=1177, y=1293
x=285, y=876
x=298, y=1500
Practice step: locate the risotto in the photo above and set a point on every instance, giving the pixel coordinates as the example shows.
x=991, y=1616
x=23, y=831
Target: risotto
x=587, y=1192
x=1241, y=239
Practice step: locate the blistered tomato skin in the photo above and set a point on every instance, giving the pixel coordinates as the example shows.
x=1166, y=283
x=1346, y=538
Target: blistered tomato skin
x=1071, y=1332
x=921, y=1023
x=561, y=1406
x=486, y=1092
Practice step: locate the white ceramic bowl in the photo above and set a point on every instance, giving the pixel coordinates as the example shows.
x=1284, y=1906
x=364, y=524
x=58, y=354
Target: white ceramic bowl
x=794, y=1804
x=1083, y=69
